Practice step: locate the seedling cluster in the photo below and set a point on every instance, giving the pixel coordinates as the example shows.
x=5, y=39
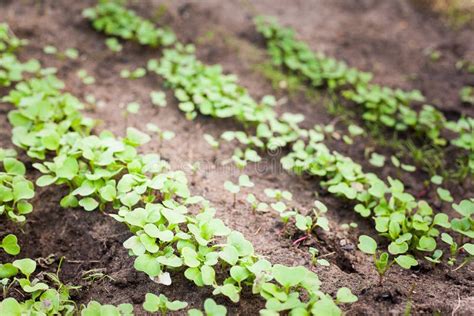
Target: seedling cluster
x=409, y=224
x=173, y=231
x=380, y=106
x=107, y=173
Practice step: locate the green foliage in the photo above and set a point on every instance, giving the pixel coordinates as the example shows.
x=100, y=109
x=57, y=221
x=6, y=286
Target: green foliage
x=11, y=69
x=466, y=94
x=96, y=309
x=15, y=190
x=39, y=298
x=154, y=303
x=464, y=127
x=10, y=245
x=133, y=74
x=206, y=90
x=115, y=20
x=113, y=44
x=382, y=261
x=158, y=98
x=211, y=308
x=152, y=201
x=380, y=106
x=85, y=77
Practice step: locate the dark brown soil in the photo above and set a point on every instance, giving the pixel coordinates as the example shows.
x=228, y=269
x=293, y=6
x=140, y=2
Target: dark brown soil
x=388, y=38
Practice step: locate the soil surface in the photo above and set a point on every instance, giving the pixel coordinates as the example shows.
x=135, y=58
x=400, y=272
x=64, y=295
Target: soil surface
x=388, y=38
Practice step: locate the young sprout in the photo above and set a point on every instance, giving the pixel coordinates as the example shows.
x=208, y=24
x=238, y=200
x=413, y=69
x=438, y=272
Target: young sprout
x=278, y=195
x=244, y=181
x=211, y=308
x=345, y=296
x=453, y=247
x=444, y=195
x=349, y=226
x=232, y=188
x=85, y=77
x=436, y=179
x=348, y=140
x=355, y=130
x=10, y=245
x=162, y=134
x=133, y=107
x=314, y=260
x=377, y=160
x=158, y=98
x=71, y=53
x=154, y=303
x=255, y=204
x=135, y=74
x=211, y=141
x=435, y=257
x=50, y=50
x=382, y=262
x=466, y=95
x=113, y=44
x=195, y=167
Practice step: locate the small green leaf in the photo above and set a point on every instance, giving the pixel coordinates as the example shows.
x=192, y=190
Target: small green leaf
x=406, y=262
x=367, y=244
x=344, y=295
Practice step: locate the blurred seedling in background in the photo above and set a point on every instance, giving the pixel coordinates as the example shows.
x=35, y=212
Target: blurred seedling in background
x=244, y=181
x=256, y=205
x=140, y=72
x=85, y=77
x=163, y=135
x=113, y=44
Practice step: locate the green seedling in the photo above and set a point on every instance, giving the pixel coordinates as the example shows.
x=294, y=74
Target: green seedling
x=344, y=295
x=96, y=275
x=309, y=223
x=382, y=262
x=133, y=74
x=444, y=195
x=15, y=190
x=50, y=50
x=377, y=160
x=116, y=20
x=154, y=303
x=465, y=224
x=94, y=308
x=163, y=135
x=244, y=181
x=349, y=226
x=255, y=204
x=314, y=258
x=71, y=53
x=355, y=130
x=433, y=54
x=158, y=98
x=85, y=77
x=133, y=107
x=211, y=308
x=195, y=167
x=278, y=195
x=113, y=44
x=211, y=141
x=453, y=247
x=466, y=94
x=436, y=179
x=10, y=245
